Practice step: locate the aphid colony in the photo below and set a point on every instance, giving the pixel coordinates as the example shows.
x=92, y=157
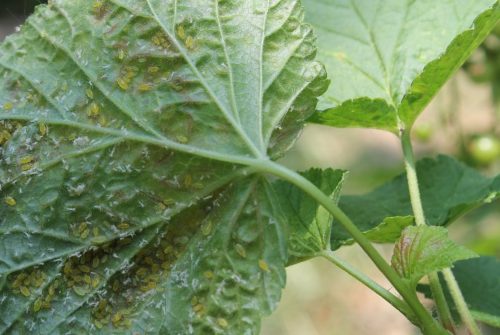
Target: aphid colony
x=7, y=129
x=27, y=281
x=149, y=269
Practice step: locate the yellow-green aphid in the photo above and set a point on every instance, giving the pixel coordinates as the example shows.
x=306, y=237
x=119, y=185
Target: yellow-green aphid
x=153, y=69
x=207, y=228
x=37, y=305
x=240, y=250
x=190, y=43
x=26, y=162
x=264, y=266
x=26, y=159
x=123, y=83
x=208, y=274
x=181, y=32
x=89, y=93
x=121, y=54
x=8, y=106
x=145, y=87
x=222, y=322
x=182, y=139
x=42, y=129
x=25, y=291
x=123, y=226
x=10, y=201
x=93, y=110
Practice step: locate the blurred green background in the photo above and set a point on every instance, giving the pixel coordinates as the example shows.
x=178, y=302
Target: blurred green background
x=463, y=121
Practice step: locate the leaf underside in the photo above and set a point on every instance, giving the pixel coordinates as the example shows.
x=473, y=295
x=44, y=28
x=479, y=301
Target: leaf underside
x=388, y=58
x=448, y=189
x=126, y=128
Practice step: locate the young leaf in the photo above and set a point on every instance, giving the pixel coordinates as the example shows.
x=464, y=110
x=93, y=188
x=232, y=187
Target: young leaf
x=124, y=125
x=309, y=224
x=479, y=281
x=448, y=188
x=424, y=249
x=387, y=59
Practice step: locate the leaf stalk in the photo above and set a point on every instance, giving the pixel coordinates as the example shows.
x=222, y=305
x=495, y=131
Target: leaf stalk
x=396, y=302
x=426, y=322
x=418, y=211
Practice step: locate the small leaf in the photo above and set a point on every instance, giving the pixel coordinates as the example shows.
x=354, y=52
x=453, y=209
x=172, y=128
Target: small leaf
x=309, y=224
x=448, y=189
x=479, y=281
x=387, y=59
x=425, y=249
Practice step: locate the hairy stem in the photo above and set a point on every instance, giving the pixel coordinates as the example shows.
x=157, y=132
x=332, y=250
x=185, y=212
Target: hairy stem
x=426, y=322
x=459, y=300
x=370, y=283
x=418, y=210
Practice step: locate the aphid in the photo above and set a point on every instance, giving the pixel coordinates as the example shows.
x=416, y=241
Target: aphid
x=207, y=228
x=222, y=322
x=87, y=279
x=121, y=54
x=93, y=110
x=84, y=268
x=168, y=202
x=208, y=274
x=85, y=234
x=26, y=159
x=181, y=32
x=153, y=69
x=25, y=291
x=198, y=308
x=144, y=87
x=182, y=139
x=8, y=106
x=102, y=121
x=241, y=250
x=123, y=83
x=37, y=305
x=89, y=93
x=42, y=129
x=80, y=290
x=264, y=266
x=188, y=181
x=190, y=43
x=4, y=136
x=123, y=226
x=95, y=262
x=160, y=40
x=27, y=167
x=10, y=201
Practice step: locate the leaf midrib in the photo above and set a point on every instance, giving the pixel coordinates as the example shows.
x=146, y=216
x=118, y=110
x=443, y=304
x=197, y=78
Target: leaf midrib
x=259, y=153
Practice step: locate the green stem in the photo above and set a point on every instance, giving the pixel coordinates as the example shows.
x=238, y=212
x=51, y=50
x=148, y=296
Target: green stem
x=427, y=323
x=367, y=281
x=459, y=300
x=418, y=210
x=411, y=175
x=441, y=303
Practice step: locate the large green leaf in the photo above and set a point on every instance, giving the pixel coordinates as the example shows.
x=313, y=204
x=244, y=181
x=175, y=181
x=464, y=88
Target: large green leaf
x=388, y=58
x=424, y=249
x=479, y=281
x=126, y=133
x=309, y=223
x=448, y=189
